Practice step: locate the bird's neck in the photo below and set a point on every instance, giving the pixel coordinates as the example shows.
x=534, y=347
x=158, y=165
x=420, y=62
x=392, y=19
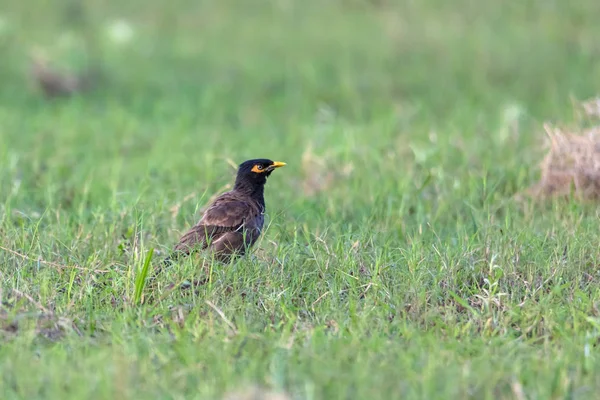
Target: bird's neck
x=256, y=192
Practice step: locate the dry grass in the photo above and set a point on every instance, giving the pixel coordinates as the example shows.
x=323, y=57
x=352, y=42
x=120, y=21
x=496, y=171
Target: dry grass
x=321, y=171
x=592, y=107
x=572, y=164
x=255, y=393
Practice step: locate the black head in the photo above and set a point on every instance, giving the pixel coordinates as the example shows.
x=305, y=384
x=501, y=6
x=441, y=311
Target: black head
x=255, y=172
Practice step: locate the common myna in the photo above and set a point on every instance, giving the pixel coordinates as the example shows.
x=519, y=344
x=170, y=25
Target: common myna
x=233, y=222
x=55, y=83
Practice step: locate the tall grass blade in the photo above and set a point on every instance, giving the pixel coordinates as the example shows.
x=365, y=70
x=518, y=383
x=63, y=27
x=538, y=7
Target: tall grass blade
x=140, y=279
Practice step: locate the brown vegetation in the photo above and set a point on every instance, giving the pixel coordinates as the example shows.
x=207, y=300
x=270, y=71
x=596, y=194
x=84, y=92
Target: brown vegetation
x=572, y=164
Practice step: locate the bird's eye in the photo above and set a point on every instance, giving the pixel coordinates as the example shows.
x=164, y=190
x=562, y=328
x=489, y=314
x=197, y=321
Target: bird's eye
x=258, y=168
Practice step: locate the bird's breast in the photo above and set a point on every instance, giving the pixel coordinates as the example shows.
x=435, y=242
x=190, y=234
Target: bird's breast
x=259, y=222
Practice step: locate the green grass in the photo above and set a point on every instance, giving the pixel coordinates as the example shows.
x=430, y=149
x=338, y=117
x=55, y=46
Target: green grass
x=403, y=269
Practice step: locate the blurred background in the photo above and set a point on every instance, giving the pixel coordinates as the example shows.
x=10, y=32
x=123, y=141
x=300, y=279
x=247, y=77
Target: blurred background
x=356, y=56
x=165, y=91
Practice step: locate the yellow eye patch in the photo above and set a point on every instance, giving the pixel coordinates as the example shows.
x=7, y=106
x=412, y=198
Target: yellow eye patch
x=260, y=168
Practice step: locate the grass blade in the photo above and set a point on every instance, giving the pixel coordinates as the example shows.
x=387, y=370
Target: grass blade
x=140, y=279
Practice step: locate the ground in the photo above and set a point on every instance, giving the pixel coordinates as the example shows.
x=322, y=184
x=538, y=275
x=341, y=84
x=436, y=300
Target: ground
x=399, y=260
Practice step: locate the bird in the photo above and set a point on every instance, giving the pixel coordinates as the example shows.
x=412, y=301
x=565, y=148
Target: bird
x=234, y=221
x=54, y=83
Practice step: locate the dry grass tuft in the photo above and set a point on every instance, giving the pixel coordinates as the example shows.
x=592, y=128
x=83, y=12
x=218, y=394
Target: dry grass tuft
x=255, y=393
x=319, y=172
x=592, y=107
x=572, y=165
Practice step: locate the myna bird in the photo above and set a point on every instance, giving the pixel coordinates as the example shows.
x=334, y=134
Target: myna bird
x=55, y=83
x=234, y=221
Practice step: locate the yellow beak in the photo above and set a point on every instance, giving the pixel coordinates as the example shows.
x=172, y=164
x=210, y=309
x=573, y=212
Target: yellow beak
x=277, y=164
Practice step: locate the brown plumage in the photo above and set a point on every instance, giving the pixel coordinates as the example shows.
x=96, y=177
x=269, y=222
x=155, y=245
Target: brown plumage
x=234, y=221
x=54, y=83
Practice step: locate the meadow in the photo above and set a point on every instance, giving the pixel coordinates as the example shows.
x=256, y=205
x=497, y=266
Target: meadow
x=399, y=260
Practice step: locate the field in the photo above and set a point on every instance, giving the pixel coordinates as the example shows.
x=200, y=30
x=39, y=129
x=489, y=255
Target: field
x=400, y=259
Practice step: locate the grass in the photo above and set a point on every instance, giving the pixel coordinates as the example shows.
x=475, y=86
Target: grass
x=396, y=262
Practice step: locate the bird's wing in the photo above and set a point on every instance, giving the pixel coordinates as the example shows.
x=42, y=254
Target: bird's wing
x=226, y=214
